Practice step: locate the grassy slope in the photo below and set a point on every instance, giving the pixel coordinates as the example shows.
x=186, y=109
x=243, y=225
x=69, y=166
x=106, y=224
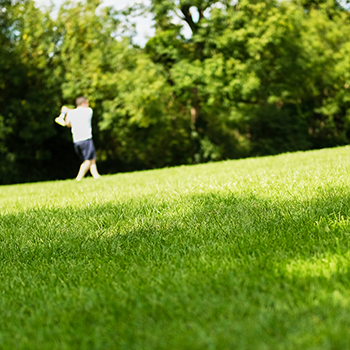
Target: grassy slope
x=248, y=254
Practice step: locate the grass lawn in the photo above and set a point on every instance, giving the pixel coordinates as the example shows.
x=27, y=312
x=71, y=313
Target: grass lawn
x=244, y=254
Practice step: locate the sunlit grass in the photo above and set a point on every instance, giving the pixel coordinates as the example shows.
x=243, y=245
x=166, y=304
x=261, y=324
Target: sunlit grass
x=248, y=254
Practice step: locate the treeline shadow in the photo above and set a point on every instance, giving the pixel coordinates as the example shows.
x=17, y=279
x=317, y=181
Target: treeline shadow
x=256, y=224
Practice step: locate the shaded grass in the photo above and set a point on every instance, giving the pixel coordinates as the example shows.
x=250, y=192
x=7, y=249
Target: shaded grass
x=243, y=254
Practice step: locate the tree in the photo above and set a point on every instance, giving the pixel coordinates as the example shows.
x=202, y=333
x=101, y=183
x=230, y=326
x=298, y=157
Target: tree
x=29, y=91
x=246, y=72
x=247, y=78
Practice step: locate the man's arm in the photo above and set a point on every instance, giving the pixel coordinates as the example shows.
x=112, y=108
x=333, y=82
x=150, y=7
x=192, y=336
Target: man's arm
x=65, y=110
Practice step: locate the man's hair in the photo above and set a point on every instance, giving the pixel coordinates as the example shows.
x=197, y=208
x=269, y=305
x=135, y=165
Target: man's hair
x=80, y=100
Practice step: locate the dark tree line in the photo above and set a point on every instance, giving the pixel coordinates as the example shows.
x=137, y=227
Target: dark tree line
x=254, y=78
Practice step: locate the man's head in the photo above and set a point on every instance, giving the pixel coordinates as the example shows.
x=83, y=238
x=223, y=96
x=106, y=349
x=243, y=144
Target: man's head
x=81, y=101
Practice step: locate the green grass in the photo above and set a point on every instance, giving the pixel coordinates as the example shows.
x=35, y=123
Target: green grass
x=247, y=254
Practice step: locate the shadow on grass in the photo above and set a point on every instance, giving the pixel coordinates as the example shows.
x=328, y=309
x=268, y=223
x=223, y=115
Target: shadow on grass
x=198, y=272
x=250, y=225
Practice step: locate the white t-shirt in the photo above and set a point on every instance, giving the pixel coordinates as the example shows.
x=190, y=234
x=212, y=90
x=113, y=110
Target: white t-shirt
x=80, y=119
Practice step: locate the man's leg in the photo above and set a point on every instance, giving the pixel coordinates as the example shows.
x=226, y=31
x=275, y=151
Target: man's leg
x=93, y=169
x=84, y=167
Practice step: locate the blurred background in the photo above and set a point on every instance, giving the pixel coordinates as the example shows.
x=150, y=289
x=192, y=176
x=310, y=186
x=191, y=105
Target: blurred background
x=170, y=81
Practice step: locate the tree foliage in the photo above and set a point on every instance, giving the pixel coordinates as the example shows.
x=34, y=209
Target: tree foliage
x=218, y=80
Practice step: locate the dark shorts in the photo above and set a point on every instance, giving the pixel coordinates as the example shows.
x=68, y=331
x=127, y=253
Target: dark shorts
x=85, y=150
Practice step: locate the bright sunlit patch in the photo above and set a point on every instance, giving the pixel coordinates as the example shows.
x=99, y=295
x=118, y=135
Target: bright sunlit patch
x=326, y=266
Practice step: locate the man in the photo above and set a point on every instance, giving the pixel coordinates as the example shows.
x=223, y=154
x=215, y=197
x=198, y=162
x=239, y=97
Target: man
x=79, y=120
